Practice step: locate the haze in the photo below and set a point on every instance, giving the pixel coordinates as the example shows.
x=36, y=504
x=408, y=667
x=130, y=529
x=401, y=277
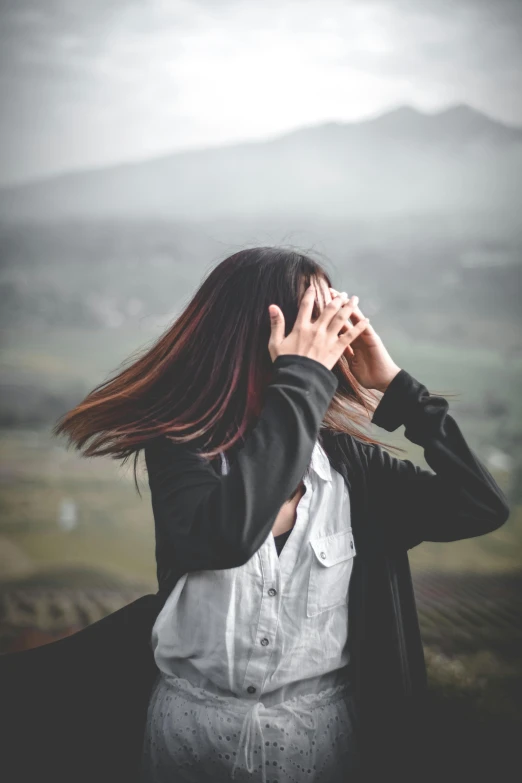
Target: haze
x=91, y=84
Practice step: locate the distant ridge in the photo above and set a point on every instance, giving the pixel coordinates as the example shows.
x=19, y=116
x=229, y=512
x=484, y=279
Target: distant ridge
x=455, y=159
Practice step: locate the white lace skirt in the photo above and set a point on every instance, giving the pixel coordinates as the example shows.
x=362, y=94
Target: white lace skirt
x=194, y=736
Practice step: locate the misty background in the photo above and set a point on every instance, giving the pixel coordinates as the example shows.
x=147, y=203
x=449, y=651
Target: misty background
x=141, y=143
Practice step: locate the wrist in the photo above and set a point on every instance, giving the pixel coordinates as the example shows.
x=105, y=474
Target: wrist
x=384, y=385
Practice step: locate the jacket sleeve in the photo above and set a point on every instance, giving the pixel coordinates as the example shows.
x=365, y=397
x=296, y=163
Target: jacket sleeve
x=206, y=521
x=460, y=499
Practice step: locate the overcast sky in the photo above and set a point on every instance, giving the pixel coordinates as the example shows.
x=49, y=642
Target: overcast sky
x=90, y=82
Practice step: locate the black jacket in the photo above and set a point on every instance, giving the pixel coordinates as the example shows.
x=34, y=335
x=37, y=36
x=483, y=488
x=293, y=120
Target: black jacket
x=76, y=708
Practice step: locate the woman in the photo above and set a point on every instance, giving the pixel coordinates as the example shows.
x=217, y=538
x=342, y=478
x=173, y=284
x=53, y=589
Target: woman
x=217, y=635
x=260, y=661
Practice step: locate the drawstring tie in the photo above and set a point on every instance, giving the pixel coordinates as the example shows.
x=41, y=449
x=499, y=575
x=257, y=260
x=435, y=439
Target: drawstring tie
x=248, y=730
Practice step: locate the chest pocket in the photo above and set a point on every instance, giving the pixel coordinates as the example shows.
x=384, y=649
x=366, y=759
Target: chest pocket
x=330, y=571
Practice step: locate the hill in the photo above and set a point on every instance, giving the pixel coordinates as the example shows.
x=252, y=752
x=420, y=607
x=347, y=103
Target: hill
x=457, y=160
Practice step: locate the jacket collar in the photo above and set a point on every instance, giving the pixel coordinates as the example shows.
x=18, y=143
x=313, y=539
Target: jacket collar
x=319, y=463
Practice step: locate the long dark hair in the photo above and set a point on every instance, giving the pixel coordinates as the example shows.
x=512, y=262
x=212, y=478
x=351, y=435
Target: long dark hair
x=204, y=379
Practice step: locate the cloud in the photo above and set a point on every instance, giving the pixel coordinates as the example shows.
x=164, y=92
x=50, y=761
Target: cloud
x=85, y=84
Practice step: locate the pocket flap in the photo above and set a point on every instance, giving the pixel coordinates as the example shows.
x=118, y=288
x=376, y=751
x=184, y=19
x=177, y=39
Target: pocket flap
x=332, y=549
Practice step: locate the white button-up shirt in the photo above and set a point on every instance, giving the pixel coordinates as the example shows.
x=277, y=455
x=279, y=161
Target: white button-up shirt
x=277, y=626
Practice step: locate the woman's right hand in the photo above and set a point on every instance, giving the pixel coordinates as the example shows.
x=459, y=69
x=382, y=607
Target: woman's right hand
x=319, y=340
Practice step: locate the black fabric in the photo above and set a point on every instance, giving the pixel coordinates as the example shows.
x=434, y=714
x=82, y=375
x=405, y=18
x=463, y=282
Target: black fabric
x=281, y=540
x=76, y=708
x=204, y=520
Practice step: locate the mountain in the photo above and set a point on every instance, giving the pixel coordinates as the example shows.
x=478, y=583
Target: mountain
x=401, y=161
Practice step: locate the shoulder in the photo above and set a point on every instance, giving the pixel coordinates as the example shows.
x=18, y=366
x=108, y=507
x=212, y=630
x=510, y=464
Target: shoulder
x=162, y=452
x=350, y=449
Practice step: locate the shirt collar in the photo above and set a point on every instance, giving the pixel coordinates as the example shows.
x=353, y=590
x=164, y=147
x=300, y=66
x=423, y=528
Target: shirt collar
x=320, y=462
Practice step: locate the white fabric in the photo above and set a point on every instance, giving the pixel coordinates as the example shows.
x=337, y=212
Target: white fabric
x=194, y=736
x=224, y=632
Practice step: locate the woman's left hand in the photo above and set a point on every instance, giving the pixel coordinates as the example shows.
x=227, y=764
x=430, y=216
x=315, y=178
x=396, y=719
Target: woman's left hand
x=369, y=361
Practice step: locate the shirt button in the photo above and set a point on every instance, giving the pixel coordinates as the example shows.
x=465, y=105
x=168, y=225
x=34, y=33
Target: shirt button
x=323, y=555
x=272, y=591
x=264, y=642
x=251, y=689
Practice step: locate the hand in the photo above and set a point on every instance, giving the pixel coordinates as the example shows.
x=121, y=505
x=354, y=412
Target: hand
x=324, y=339
x=369, y=361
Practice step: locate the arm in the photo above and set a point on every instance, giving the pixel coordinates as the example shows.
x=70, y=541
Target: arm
x=459, y=500
x=206, y=521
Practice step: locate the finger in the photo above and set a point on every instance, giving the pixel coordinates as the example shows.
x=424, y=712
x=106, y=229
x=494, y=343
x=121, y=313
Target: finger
x=350, y=335
x=358, y=316
x=355, y=303
x=307, y=305
x=345, y=313
x=354, y=315
x=349, y=350
x=277, y=325
x=335, y=293
x=357, y=313
x=330, y=313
